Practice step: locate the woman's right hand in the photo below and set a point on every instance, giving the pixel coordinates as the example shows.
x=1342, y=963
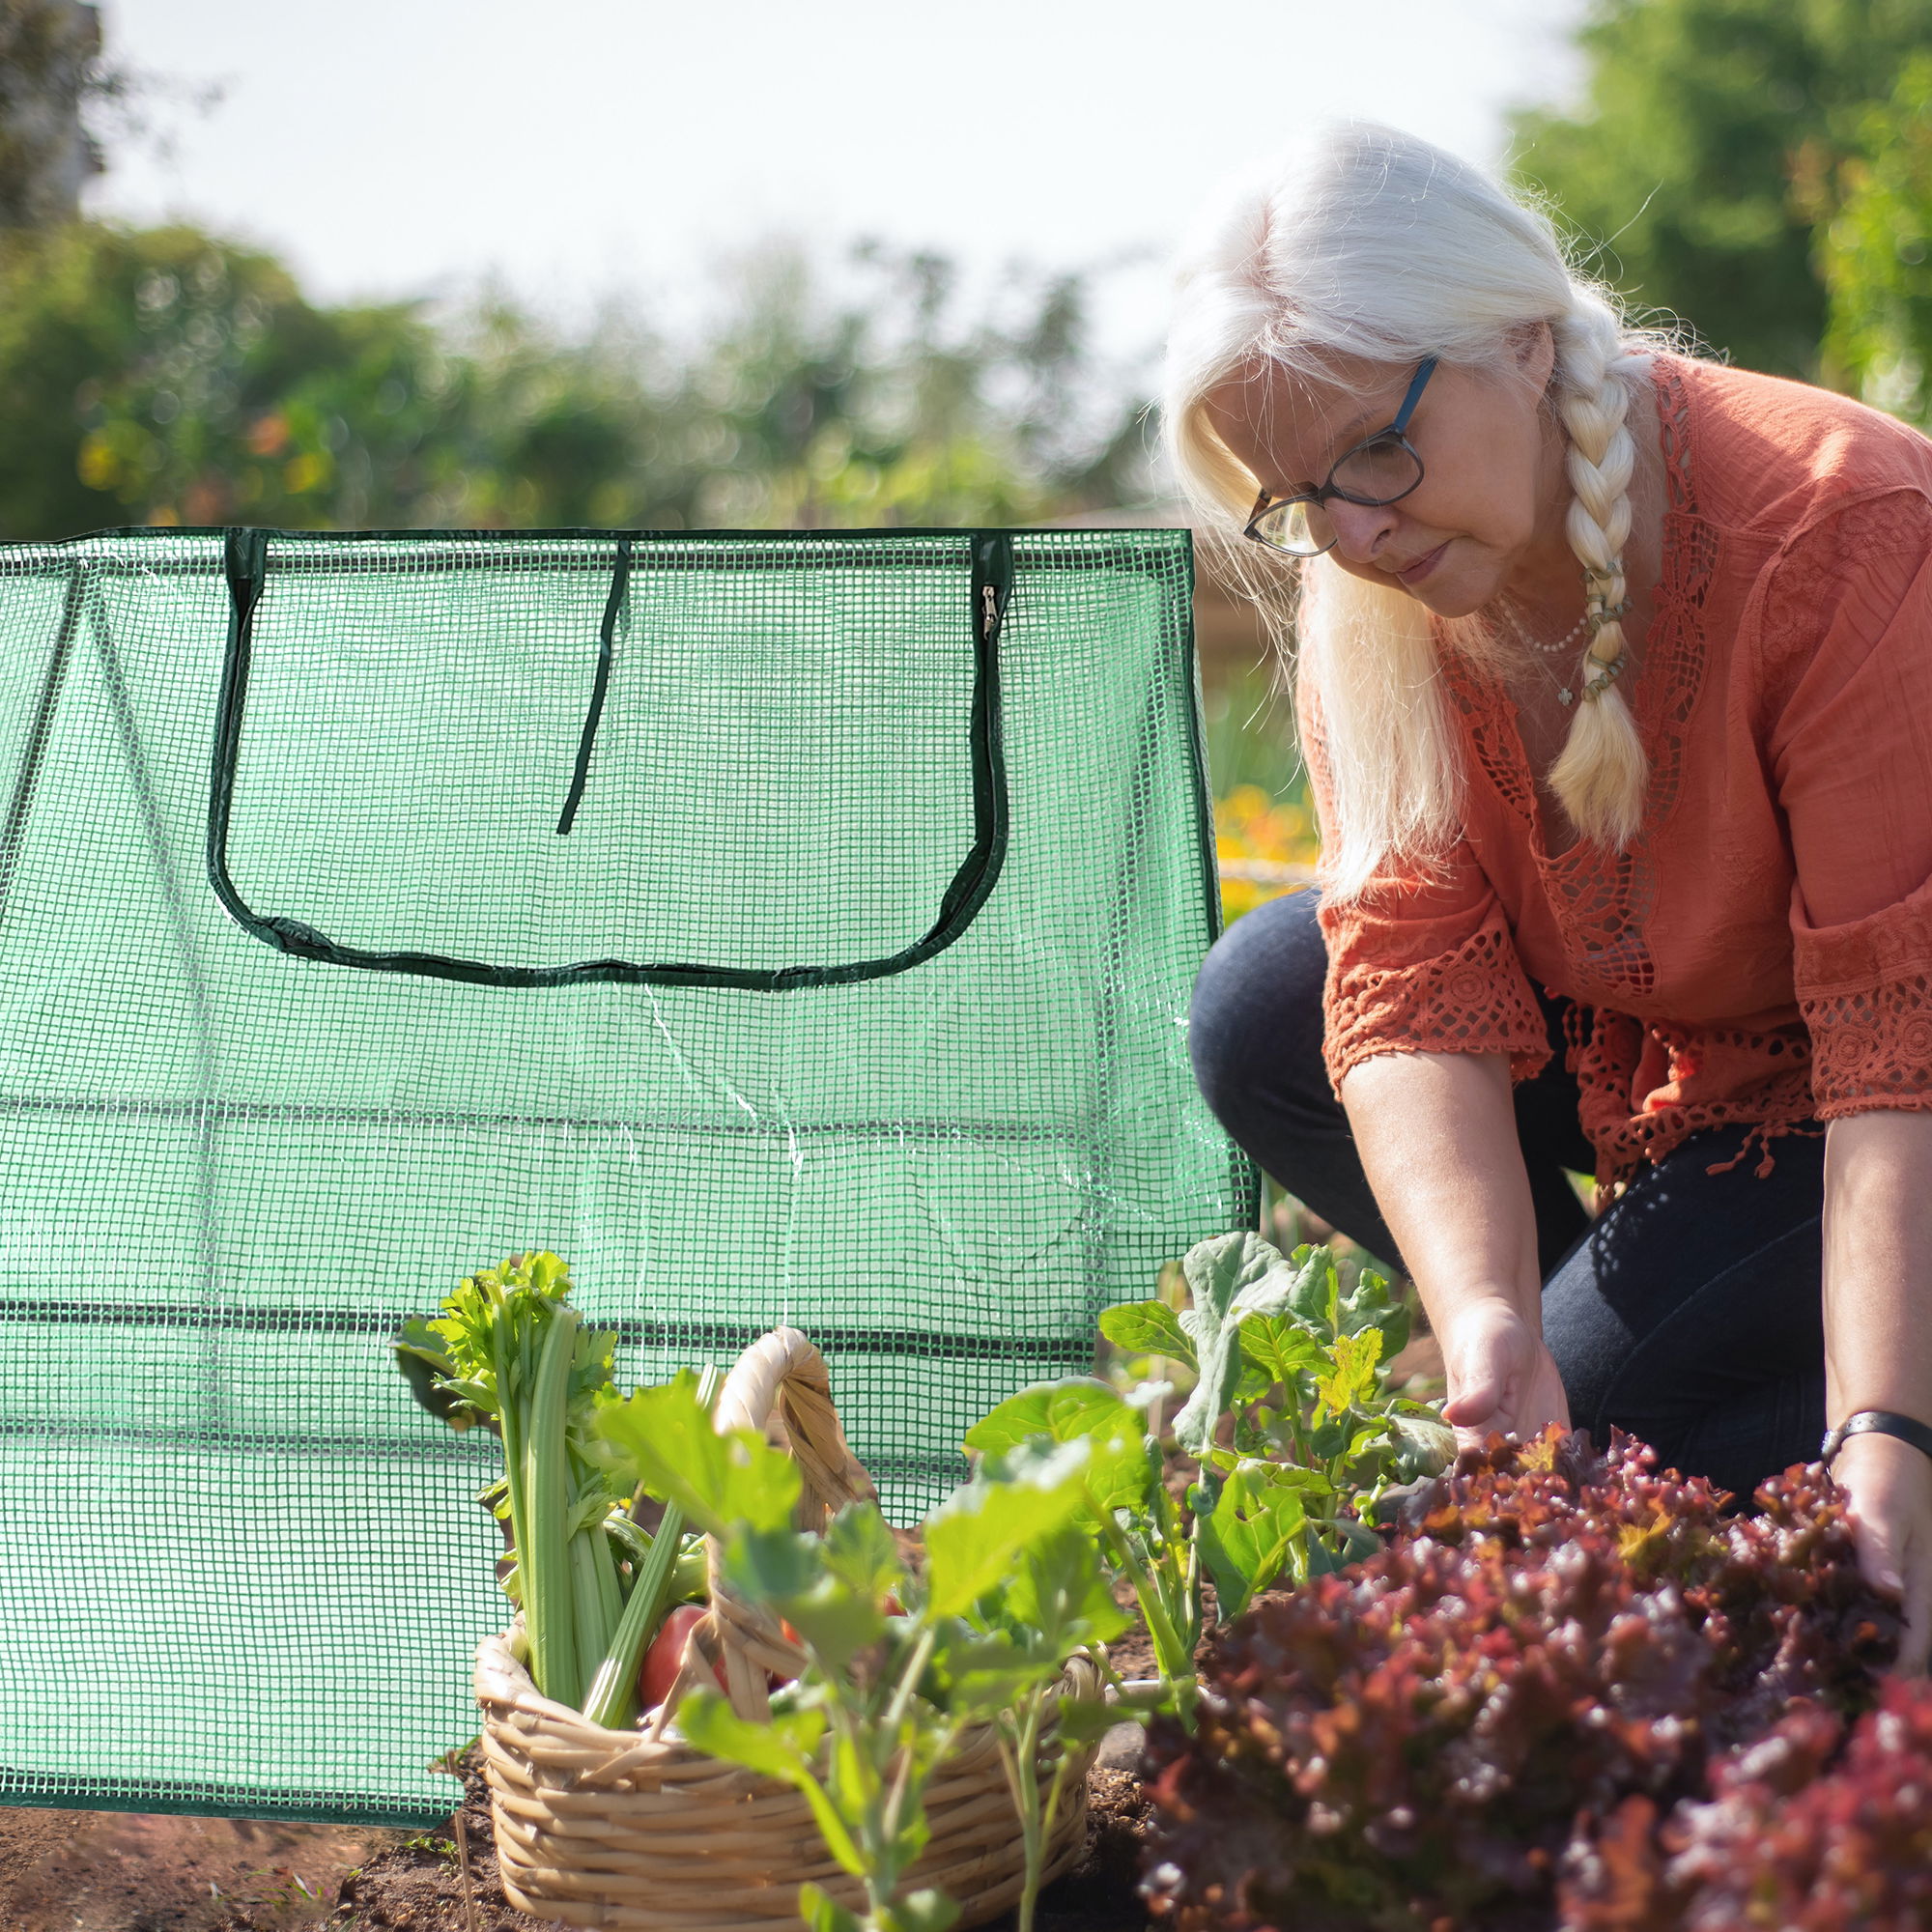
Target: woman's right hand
x=1500, y=1376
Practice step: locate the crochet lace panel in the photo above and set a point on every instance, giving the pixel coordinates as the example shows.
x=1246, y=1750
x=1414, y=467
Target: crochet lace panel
x=1473, y=999
x=1872, y=1049
x=1602, y=899
x=1605, y=1051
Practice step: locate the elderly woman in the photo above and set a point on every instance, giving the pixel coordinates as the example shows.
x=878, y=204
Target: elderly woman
x=1614, y=677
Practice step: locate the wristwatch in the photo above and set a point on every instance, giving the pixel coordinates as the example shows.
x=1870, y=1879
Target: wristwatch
x=1877, y=1422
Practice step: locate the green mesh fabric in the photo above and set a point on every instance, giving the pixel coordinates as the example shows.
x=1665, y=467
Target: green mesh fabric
x=853, y=997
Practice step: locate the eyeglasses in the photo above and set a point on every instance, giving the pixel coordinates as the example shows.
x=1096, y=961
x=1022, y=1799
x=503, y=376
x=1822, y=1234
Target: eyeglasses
x=1381, y=469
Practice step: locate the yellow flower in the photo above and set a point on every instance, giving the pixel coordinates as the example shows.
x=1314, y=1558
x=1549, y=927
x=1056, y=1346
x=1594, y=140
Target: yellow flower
x=302, y=473
x=1253, y=830
x=98, y=466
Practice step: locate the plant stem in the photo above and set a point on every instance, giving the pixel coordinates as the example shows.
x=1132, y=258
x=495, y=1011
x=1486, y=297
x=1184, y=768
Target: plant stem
x=1176, y=1660
x=1020, y=1761
x=510, y=1422
x=1191, y=1596
x=591, y=1632
x=872, y=1839
x=612, y=1698
x=1055, y=1791
x=892, y=1727
x=902, y=1692
x=545, y=1562
x=609, y=1596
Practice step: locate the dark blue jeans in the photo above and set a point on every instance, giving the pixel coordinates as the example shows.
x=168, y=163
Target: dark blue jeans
x=1688, y=1313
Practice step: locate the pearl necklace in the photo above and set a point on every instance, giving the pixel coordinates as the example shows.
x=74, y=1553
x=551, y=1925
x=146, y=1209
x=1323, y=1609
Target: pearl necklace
x=1562, y=643
x=1565, y=696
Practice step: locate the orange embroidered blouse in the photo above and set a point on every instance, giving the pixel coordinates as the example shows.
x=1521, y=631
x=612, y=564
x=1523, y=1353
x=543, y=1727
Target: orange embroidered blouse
x=1763, y=953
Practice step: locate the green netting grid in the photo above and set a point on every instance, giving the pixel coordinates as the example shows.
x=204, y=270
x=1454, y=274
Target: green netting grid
x=167, y=783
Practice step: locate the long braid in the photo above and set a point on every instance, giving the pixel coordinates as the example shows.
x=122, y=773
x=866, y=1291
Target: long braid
x=1602, y=774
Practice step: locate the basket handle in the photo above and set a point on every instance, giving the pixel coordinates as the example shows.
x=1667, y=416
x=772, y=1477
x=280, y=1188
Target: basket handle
x=781, y=1374
x=783, y=1371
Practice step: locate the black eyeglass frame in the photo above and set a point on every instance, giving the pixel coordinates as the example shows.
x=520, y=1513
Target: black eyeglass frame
x=1424, y=369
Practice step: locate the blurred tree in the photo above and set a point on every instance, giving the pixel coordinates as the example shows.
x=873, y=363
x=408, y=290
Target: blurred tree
x=889, y=406
x=49, y=65
x=162, y=377
x=165, y=375
x=1874, y=212
x=1706, y=158
x=170, y=377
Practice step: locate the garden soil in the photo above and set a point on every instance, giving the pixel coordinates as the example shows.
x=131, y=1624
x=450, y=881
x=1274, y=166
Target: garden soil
x=99, y=1871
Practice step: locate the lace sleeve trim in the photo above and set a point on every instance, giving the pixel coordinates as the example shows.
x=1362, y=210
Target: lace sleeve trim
x=1473, y=999
x=1872, y=1048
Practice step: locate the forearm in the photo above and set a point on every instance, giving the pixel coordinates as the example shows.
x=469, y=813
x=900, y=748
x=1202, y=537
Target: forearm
x=1878, y=1344
x=1878, y=1263
x=1436, y=1134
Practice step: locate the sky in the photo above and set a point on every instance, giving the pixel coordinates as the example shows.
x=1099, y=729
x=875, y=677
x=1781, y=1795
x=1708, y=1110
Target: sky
x=587, y=150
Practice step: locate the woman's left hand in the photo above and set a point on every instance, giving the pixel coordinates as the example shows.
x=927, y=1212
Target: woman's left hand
x=1889, y=1484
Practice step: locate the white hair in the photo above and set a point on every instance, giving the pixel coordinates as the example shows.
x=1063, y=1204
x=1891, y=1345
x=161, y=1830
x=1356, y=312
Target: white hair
x=1377, y=246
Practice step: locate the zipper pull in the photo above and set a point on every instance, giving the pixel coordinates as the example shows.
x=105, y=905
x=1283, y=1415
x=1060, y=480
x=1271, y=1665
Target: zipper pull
x=989, y=612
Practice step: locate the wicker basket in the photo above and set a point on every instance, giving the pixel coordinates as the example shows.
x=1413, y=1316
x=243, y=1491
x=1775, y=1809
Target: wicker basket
x=636, y=1829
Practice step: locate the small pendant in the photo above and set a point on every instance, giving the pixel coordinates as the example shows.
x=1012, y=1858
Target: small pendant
x=1566, y=698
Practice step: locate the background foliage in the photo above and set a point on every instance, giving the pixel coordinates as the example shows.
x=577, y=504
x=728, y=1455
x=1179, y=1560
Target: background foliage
x=1760, y=168
x=168, y=376
x=1748, y=165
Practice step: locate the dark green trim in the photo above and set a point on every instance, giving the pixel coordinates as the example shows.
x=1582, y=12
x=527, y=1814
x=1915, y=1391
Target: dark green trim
x=176, y=1797
x=1197, y=761
x=729, y=1338
x=991, y=554
x=1135, y=552
x=620, y=582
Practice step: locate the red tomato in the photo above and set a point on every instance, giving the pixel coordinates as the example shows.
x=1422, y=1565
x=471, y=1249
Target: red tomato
x=658, y=1671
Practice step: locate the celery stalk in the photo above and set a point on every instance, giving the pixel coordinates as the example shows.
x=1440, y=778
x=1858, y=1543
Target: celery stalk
x=586, y=1594
x=612, y=1698
x=610, y=1594
x=510, y=1421
x=545, y=1558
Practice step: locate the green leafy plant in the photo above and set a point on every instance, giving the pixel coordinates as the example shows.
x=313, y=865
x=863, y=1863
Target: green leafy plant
x=1298, y=1370
x=1290, y=1424
x=517, y=1353
x=1125, y=1504
x=1052, y=1599
x=898, y=1663
x=509, y=1353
